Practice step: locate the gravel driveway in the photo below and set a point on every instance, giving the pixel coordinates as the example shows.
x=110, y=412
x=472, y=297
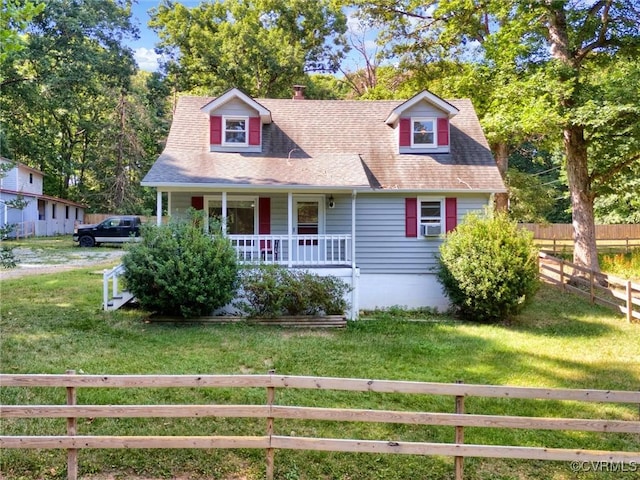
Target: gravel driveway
x=33, y=262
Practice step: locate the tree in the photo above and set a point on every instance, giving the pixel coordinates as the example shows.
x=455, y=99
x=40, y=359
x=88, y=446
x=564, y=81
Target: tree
x=73, y=62
x=72, y=108
x=15, y=17
x=537, y=186
x=132, y=141
x=261, y=46
x=556, y=43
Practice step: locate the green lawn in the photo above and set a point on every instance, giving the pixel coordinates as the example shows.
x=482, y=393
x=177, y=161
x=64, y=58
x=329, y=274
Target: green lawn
x=625, y=265
x=52, y=323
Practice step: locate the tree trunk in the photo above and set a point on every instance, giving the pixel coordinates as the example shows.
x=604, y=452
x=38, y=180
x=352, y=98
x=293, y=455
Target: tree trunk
x=501, y=151
x=585, y=251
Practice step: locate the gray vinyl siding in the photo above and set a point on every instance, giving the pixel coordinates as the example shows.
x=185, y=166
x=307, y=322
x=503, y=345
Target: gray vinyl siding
x=381, y=244
x=235, y=107
x=339, y=217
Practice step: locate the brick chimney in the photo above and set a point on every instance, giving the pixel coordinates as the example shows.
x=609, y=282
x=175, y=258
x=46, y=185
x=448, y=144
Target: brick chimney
x=298, y=92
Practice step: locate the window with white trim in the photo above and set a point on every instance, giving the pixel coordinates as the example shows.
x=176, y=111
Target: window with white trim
x=423, y=132
x=235, y=130
x=431, y=216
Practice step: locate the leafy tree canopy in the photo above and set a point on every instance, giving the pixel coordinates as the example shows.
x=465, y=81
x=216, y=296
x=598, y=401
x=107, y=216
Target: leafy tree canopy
x=261, y=46
x=70, y=108
x=15, y=17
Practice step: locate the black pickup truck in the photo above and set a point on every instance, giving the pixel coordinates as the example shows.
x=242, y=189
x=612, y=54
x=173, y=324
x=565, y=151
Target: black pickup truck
x=118, y=229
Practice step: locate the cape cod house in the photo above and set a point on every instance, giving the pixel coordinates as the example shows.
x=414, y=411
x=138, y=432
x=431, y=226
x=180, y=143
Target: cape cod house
x=364, y=190
x=25, y=207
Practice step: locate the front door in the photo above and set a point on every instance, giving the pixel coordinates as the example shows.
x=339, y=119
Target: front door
x=308, y=224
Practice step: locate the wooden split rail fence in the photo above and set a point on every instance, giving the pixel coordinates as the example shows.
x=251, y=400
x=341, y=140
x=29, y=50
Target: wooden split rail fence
x=271, y=441
x=603, y=289
x=558, y=238
x=563, y=245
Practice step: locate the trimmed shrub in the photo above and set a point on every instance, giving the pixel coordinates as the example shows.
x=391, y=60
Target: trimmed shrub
x=7, y=258
x=273, y=291
x=177, y=269
x=488, y=267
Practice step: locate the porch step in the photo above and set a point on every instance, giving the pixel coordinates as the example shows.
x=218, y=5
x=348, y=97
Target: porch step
x=122, y=299
x=332, y=321
x=329, y=321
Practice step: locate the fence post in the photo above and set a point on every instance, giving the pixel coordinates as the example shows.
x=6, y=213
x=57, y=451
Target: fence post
x=72, y=422
x=271, y=395
x=564, y=289
x=629, y=302
x=459, y=440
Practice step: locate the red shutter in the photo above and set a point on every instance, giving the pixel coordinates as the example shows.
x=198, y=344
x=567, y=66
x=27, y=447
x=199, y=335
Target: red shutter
x=255, y=125
x=405, y=132
x=264, y=216
x=443, y=132
x=451, y=213
x=411, y=217
x=197, y=203
x=215, y=130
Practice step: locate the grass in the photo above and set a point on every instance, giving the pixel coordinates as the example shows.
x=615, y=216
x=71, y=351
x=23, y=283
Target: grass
x=52, y=323
x=625, y=265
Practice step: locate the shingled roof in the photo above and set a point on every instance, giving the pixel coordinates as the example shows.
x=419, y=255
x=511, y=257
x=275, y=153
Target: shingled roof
x=325, y=143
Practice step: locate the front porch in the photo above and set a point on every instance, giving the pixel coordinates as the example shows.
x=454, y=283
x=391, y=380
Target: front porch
x=295, y=250
x=288, y=228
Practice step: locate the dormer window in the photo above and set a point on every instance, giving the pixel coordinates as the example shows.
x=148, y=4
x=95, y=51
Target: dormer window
x=235, y=123
x=235, y=131
x=423, y=124
x=423, y=132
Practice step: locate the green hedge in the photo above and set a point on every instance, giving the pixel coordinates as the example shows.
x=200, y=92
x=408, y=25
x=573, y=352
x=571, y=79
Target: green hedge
x=273, y=291
x=177, y=269
x=488, y=267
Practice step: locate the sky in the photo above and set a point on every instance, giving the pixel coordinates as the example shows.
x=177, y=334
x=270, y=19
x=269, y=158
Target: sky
x=143, y=48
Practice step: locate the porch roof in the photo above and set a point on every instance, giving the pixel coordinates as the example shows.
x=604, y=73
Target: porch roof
x=232, y=169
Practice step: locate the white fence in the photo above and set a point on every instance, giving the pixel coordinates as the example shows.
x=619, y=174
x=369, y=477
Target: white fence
x=294, y=250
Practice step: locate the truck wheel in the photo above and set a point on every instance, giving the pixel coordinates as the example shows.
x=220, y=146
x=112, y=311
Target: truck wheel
x=87, y=241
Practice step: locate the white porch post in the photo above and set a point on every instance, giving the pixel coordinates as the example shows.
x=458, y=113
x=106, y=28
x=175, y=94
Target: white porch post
x=224, y=213
x=353, y=229
x=158, y=207
x=290, y=228
x=354, y=273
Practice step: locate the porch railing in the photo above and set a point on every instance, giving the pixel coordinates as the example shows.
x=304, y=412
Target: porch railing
x=294, y=250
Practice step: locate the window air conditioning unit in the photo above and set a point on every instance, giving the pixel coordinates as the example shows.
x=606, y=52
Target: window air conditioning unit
x=430, y=229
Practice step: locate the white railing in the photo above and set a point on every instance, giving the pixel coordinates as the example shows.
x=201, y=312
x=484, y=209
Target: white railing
x=110, y=294
x=294, y=250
